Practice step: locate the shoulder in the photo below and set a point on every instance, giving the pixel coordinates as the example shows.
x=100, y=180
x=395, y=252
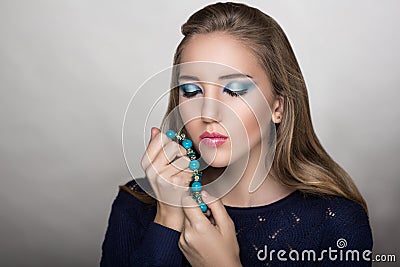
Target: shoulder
x=326, y=211
x=328, y=207
x=130, y=199
x=341, y=211
x=342, y=219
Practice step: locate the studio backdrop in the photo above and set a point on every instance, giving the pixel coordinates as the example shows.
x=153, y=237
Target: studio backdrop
x=69, y=68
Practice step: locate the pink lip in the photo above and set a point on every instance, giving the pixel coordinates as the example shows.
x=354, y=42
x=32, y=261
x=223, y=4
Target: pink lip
x=213, y=139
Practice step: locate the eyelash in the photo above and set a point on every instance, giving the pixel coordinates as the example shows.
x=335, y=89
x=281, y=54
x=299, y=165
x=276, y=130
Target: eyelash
x=225, y=90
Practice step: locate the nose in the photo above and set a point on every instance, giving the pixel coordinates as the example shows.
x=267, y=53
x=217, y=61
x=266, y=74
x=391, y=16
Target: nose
x=210, y=110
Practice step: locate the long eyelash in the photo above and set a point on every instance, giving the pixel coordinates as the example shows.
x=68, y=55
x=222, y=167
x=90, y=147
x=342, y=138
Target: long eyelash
x=235, y=93
x=190, y=94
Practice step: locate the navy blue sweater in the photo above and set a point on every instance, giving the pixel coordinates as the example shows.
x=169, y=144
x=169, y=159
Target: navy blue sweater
x=298, y=230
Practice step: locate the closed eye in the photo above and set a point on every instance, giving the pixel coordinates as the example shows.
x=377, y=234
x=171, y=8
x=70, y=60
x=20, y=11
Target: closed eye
x=190, y=90
x=238, y=88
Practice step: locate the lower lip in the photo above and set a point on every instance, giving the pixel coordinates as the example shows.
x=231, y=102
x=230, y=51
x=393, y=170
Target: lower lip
x=216, y=141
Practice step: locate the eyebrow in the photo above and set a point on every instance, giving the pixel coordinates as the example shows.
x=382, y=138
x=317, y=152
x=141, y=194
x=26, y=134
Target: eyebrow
x=224, y=77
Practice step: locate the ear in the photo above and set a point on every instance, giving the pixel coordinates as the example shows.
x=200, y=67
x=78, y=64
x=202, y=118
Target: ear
x=277, y=109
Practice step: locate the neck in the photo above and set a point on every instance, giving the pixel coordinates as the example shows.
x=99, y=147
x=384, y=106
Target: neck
x=255, y=176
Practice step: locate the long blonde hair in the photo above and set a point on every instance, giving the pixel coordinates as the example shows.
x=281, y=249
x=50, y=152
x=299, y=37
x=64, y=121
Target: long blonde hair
x=300, y=160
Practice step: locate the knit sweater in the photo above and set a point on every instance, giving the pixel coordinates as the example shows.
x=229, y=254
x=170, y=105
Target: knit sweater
x=297, y=230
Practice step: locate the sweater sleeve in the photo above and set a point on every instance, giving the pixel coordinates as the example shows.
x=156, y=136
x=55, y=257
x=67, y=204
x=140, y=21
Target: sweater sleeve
x=347, y=234
x=133, y=239
x=159, y=247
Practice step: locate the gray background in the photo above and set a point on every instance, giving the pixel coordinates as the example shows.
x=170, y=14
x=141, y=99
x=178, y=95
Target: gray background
x=69, y=68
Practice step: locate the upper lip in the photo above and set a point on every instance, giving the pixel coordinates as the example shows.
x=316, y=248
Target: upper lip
x=212, y=135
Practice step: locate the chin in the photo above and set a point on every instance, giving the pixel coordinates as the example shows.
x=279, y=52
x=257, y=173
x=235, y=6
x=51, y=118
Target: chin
x=219, y=160
x=219, y=164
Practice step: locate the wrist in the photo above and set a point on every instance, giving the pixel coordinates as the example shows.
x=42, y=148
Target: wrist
x=174, y=221
x=236, y=262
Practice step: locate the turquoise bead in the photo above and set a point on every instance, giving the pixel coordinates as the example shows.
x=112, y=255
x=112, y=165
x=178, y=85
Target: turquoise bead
x=171, y=134
x=187, y=143
x=196, y=187
x=194, y=165
x=203, y=207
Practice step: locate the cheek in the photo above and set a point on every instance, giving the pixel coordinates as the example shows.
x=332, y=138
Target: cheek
x=251, y=125
x=183, y=109
x=255, y=115
x=193, y=128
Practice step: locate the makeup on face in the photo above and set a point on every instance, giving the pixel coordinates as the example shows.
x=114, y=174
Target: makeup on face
x=213, y=139
x=190, y=86
x=222, y=88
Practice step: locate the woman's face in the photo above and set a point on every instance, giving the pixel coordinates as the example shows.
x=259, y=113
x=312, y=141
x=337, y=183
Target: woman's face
x=225, y=102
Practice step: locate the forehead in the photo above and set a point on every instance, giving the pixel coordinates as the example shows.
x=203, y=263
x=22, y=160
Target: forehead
x=220, y=54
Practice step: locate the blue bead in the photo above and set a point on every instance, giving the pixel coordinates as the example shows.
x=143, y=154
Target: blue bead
x=171, y=134
x=194, y=165
x=203, y=207
x=187, y=143
x=196, y=187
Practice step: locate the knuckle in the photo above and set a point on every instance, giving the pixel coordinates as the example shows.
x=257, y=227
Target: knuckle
x=187, y=236
x=171, y=145
x=166, y=151
x=150, y=172
x=187, y=181
x=182, y=164
x=175, y=180
x=144, y=161
x=182, y=242
x=198, y=226
x=160, y=180
x=181, y=181
x=182, y=151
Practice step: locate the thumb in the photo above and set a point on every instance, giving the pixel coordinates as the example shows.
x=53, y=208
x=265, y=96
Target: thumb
x=154, y=132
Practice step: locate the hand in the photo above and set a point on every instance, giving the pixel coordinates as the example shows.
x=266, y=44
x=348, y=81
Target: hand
x=206, y=244
x=165, y=178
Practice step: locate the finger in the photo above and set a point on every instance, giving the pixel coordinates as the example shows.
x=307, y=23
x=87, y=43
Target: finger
x=181, y=165
x=183, y=244
x=154, y=132
x=179, y=168
x=193, y=212
x=219, y=213
x=186, y=224
x=183, y=181
x=156, y=144
x=175, y=176
x=168, y=153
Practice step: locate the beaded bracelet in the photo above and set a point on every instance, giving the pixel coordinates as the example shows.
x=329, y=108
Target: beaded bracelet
x=194, y=165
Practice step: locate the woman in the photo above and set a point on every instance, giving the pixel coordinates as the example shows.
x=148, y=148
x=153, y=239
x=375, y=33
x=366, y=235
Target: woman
x=305, y=211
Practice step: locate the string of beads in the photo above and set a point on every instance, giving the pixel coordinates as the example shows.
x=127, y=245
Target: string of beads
x=194, y=165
